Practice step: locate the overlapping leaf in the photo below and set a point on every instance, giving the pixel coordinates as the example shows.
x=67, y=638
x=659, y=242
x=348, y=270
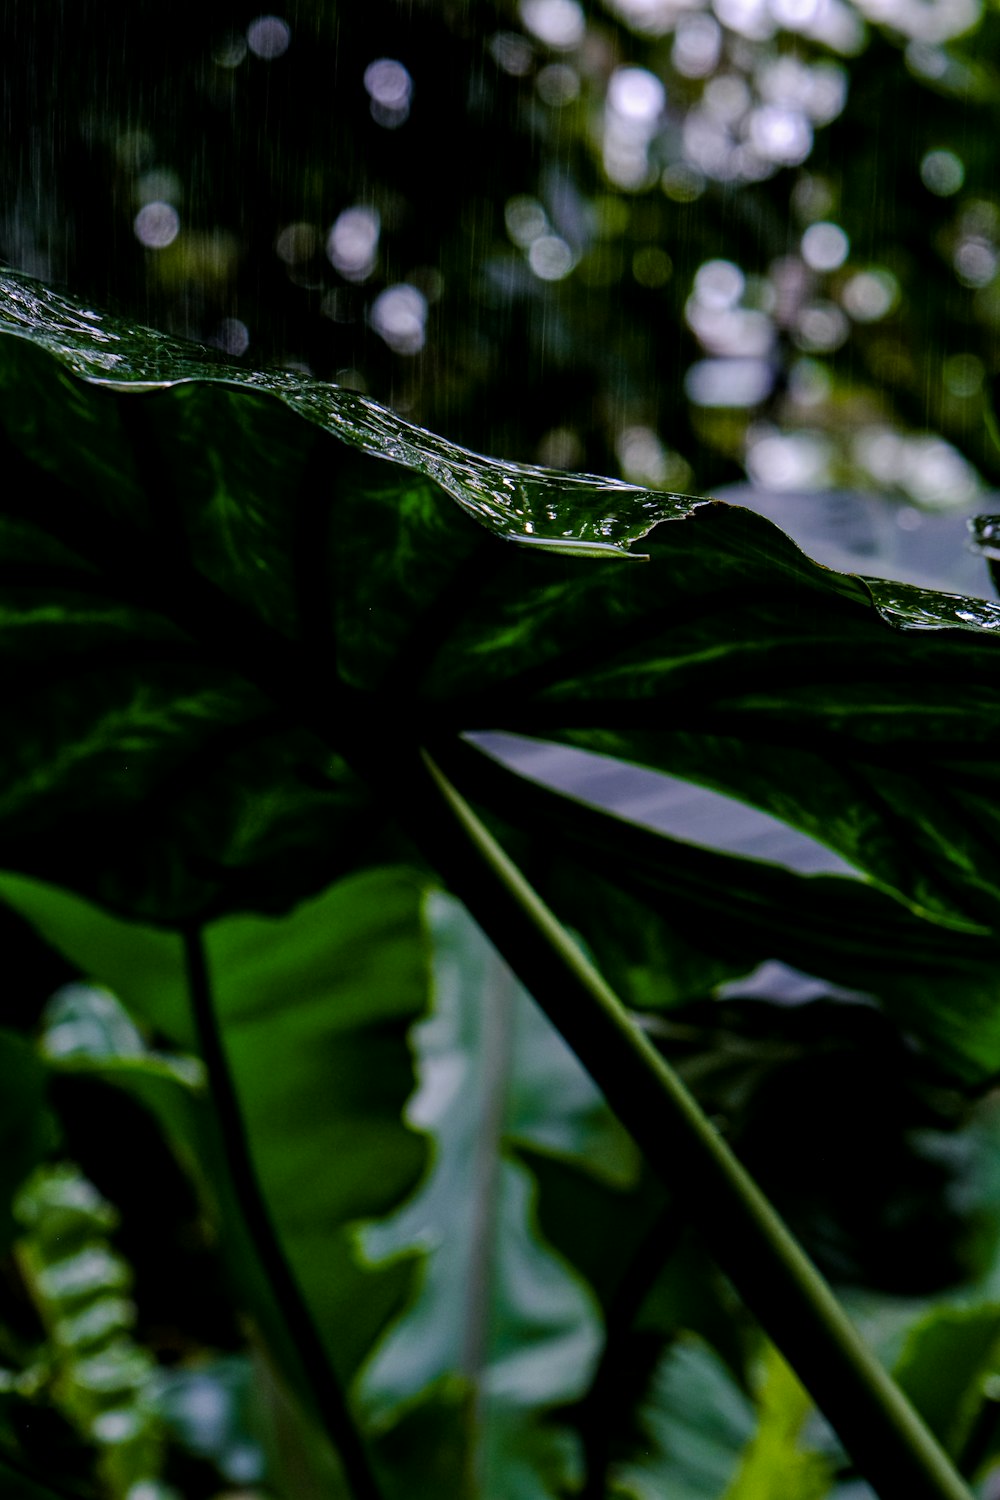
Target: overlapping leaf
x=667, y=920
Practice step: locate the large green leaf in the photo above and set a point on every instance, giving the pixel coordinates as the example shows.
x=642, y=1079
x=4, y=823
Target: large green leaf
x=224, y=597
x=315, y=1008
x=512, y=500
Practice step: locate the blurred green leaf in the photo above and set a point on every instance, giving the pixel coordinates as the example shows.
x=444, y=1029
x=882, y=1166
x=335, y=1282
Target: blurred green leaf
x=774, y=1466
x=944, y=1366
x=315, y=1009
x=27, y=1127
x=208, y=1408
x=702, y=1438
x=496, y=1307
x=695, y=1425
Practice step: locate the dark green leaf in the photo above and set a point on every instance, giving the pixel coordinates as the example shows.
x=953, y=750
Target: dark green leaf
x=22, y=1484
x=225, y=597
x=947, y=1359
x=728, y=649
x=27, y=1128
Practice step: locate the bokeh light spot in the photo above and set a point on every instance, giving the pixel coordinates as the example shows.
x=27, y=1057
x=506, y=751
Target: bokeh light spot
x=560, y=24
x=525, y=219
x=869, y=295
x=512, y=52
x=297, y=243
x=551, y=258
x=388, y=82
x=727, y=97
x=682, y=183
x=963, y=374
x=719, y=284
x=812, y=198
x=652, y=266
x=159, y=185
x=729, y=382
x=825, y=246
x=809, y=382
x=399, y=316
x=942, y=172
x=233, y=336
x=976, y=261
x=781, y=135
x=558, y=84
x=636, y=94
x=751, y=18
x=697, y=45
x=269, y=37
x=390, y=89
x=352, y=243
x=561, y=448
x=646, y=460
x=157, y=225
x=790, y=461
x=231, y=52
x=821, y=328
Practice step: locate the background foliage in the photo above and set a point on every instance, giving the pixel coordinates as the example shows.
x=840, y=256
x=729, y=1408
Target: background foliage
x=636, y=200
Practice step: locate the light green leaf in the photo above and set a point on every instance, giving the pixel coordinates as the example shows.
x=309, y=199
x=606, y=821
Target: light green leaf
x=496, y=1307
x=695, y=1427
x=774, y=1466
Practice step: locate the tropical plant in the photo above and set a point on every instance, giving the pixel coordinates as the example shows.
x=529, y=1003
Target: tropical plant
x=252, y=631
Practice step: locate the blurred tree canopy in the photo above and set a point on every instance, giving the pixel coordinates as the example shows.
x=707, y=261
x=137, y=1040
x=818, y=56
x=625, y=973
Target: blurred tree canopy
x=674, y=241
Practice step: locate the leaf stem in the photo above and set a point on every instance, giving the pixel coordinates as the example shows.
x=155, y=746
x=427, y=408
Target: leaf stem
x=328, y=1394
x=885, y=1437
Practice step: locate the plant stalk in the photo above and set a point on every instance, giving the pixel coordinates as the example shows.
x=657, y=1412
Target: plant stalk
x=878, y=1427
x=330, y=1400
